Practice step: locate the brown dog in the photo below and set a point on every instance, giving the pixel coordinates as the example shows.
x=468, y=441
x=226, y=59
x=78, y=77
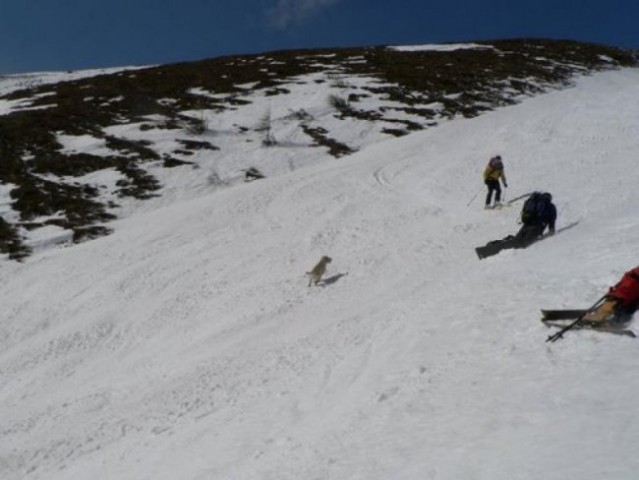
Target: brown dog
x=315, y=275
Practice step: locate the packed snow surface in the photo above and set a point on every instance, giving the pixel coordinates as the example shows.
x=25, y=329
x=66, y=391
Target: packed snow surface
x=187, y=345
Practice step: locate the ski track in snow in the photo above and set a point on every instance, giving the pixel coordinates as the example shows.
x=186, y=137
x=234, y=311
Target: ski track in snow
x=187, y=344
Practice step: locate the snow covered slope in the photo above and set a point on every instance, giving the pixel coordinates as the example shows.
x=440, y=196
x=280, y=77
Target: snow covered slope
x=187, y=345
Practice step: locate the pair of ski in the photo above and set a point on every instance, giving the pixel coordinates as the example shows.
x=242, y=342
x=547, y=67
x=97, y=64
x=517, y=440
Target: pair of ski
x=558, y=318
x=498, y=206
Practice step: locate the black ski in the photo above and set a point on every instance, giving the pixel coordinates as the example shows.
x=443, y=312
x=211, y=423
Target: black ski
x=594, y=326
x=499, y=206
x=562, y=314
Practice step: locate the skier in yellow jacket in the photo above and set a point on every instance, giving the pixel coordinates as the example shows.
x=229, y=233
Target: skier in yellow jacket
x=492, y=174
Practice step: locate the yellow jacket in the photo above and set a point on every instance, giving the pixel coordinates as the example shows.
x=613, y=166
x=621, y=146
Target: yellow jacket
x=492, y=173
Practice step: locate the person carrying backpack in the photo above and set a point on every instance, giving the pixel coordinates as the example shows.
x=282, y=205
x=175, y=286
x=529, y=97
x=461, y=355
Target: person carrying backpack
x=537, y=214
x=621, y=301
x=493, y=172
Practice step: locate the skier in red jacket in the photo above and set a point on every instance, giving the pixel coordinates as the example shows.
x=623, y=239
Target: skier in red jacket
x=621, y=301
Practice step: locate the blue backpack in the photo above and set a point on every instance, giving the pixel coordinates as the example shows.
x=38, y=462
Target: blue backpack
x=533, y=209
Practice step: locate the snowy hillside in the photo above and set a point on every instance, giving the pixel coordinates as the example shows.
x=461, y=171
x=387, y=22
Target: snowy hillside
x=187, y=345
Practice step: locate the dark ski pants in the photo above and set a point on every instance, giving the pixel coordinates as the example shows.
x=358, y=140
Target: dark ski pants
x=528, y=234
x=493, y=186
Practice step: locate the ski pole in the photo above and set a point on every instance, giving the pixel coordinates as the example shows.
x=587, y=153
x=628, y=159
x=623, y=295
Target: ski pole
x=474, y=196
x=560, y=333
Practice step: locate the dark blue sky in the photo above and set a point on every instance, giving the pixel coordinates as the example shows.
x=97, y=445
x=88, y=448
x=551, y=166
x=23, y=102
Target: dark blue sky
x=38, y=35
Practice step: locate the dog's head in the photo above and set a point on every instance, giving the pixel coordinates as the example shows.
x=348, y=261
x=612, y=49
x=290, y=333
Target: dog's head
x=326, y=259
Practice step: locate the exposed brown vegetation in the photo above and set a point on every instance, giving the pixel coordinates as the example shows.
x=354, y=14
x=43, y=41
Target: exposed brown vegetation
x=465, y=82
